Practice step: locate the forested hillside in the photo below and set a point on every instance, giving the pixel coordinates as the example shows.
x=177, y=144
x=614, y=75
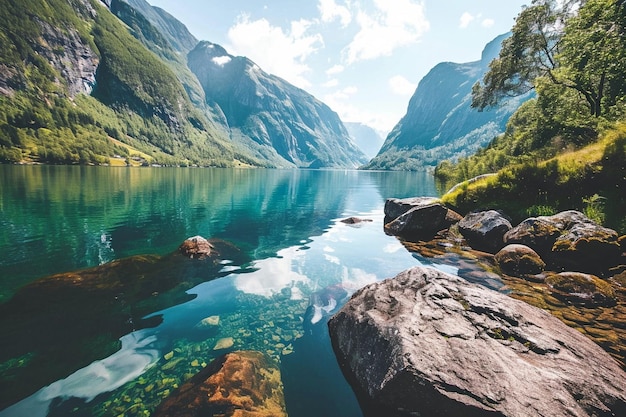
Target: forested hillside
x=92, y=82
x=567, y=147
x=78, y=88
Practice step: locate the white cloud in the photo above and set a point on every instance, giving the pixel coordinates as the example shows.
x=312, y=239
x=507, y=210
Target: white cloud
x=401, y=86
x=487, y=23
x=394, y=24
x=341, y=102
x=331, y=83
x=329, y=11
x=343, y=94
x=221, y=60
x=279, y=52
x=465, y=20
x=273, y=274
x=335, y=69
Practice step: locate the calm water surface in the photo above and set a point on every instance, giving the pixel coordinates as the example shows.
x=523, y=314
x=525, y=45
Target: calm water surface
x=302, y=265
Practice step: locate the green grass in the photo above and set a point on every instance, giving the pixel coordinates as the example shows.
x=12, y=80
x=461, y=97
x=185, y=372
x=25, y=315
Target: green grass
x=591, y=179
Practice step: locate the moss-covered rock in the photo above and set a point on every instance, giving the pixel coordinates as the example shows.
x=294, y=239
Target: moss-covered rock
x=519, y=260
x=579, y=288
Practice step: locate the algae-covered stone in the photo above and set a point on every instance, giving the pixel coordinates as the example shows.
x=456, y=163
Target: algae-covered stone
x=519, y=260
x=246, y=383
x=196, y=247
x=581, y=288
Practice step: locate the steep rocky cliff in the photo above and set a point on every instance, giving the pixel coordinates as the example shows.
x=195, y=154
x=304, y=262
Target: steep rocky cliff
x=275, y=119
x=439, y=123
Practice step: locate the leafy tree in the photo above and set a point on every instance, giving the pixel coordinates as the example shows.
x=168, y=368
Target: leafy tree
x=592, y=56
x=529, y=53
x=579, y=46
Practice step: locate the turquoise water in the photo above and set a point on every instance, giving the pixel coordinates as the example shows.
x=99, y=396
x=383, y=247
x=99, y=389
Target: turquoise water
x=300, y=264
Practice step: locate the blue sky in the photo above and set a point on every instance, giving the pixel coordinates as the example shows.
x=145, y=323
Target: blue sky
x=362, y=58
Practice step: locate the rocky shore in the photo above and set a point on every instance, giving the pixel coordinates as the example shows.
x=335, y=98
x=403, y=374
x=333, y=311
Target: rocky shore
x=432, y=343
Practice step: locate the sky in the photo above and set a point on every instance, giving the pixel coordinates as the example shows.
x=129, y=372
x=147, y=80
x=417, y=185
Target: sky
x=363, y=58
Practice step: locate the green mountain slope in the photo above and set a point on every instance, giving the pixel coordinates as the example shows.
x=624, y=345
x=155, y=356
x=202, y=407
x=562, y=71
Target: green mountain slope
x=83, y=81
x=73, y=78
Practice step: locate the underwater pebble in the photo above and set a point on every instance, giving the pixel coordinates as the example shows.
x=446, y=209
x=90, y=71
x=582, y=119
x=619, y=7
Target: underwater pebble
x=224, y=343
x=210, y=321
x=171, y=364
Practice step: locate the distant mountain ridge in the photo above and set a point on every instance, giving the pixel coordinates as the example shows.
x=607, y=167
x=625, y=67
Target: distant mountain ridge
x=271, y=116
x=439, y=123
x=365, y=137
x=276, y=122
x=101, y=81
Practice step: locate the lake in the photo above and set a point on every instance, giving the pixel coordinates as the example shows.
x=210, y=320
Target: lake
x=295, y=264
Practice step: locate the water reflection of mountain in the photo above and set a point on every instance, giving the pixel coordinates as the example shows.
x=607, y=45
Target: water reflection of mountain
x=62, y=218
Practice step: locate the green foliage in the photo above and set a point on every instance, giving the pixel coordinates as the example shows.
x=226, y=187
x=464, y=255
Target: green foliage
x=525, y=56
x=592, y=55
x=581, y=52
x=565, y=148
x=594, y=208
x=540, y=210
x=573, y=180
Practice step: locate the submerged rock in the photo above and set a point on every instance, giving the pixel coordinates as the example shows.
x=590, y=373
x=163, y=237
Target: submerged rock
x=210, y=321
x=224, y=343
x=429, y=342
x=355, y=220
x=244, y=383
x=196, y=247
x=485, y=230
x=74, y=318
x=579, y=288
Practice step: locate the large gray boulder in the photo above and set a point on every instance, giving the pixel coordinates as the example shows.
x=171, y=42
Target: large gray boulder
x=417, y=218
x=431, y=343
x=395, y=207
x=484, y=230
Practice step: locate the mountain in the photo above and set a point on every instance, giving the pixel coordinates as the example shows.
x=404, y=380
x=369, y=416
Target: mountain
x=76, y=87
x=366, y=138
x=175, y=32
x=439, y=123
x=108, y=82
x=278, y=121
